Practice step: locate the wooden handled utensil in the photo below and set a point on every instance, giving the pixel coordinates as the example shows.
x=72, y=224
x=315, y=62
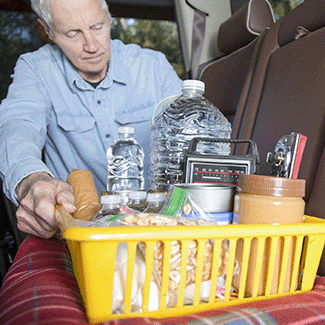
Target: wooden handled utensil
x=64, y=218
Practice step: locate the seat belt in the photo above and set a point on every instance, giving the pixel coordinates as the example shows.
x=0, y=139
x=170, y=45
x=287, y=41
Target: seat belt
x=198, y=31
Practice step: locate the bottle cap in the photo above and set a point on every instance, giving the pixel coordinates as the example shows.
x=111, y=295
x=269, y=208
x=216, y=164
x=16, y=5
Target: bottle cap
x=110, y=199
x=269, y=185
x=156, y=197
x=125, y=129
x=193, y=84
x=138, y=195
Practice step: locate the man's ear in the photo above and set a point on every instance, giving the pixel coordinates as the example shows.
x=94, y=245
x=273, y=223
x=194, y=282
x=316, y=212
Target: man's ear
x=45, y=28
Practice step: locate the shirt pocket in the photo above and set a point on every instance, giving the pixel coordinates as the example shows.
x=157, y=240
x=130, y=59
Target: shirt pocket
x=84, y=125
x=138, y=116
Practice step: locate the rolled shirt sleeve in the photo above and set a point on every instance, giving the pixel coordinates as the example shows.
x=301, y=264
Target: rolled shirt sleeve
x=23, y=123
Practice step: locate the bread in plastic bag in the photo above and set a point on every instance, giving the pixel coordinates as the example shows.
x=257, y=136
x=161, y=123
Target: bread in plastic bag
x=143, y=219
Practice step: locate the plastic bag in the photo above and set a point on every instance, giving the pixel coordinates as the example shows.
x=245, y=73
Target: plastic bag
x=119, y=283
x=146, y=219
x=179, y=203
x=176, y=255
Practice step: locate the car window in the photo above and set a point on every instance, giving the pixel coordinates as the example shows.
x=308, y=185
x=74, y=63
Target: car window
x=19, y=34
x=282, y=7
x=160, y=35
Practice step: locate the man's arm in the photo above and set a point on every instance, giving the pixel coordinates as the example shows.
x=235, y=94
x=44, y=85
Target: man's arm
x=24, y=116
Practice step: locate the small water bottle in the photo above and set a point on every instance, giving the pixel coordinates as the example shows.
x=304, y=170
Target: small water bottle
x=155, y=202
x=111, y=205
x=189, y=115
x=125, y=163
x=137, y=200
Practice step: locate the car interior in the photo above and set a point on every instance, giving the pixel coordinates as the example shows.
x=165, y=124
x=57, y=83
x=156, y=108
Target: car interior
x=266, y=75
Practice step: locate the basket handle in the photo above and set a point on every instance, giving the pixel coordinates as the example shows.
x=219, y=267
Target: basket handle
x=196, y=140
x=163, y=103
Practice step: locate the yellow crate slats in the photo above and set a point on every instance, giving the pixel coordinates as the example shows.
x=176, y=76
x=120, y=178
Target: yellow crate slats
x=274, y=244
x=182, y=283
x=149, y=265
x=93, y=252
x=312, y=253
x=214, y=269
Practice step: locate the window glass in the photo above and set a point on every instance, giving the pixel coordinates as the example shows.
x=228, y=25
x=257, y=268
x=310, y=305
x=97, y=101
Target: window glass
x=282, y=7
x=158, y=35
x=19, y=34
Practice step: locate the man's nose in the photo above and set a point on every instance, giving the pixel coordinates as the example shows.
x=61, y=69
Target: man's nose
x=90, y=42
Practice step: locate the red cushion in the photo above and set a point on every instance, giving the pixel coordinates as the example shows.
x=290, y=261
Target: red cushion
x=40, y=288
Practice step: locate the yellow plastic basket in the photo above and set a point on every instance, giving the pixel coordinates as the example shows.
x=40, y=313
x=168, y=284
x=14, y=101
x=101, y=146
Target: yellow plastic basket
x=294, y=249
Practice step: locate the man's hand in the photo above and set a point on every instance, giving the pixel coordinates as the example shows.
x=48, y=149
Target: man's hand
x=38, y=194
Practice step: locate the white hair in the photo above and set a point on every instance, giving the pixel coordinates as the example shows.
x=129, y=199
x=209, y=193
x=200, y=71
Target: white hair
x=43, y=11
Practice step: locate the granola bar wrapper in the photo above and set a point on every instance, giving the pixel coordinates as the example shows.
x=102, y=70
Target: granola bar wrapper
x=85, y=193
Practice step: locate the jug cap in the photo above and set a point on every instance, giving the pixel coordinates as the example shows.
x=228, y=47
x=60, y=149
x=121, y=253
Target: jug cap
x=193, y=84
x=125, y=129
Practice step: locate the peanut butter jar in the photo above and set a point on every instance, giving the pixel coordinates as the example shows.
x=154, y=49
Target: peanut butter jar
x=267, y=200
x=271, y=200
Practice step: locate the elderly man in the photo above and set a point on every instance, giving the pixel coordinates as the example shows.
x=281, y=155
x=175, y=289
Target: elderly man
x=67, y=101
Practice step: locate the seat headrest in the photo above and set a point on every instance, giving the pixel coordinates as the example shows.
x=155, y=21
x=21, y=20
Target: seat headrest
x=309, y=15
x=243, y=26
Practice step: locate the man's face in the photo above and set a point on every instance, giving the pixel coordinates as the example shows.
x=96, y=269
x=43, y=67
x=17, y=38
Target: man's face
x=81, y=28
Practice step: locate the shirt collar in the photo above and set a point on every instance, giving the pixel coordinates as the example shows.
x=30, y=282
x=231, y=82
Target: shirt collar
x=117, y=71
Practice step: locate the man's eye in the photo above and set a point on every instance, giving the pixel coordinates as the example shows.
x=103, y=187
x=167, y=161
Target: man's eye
x=71, y=33
x=97, y=26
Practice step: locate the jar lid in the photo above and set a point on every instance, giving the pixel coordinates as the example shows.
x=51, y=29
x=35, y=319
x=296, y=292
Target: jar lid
x=110, y=199
x=269, y=185
x=137, y=195
x=156, y=197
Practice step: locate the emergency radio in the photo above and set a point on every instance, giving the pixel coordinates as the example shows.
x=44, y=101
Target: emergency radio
x=218, y=169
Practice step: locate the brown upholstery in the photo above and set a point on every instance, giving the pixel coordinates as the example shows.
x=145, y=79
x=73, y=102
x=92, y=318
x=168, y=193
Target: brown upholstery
x=316, y=204
x=293, y=100
x=227, y=77
x=249, y=104
x=287, y=94
x=224, y=79
x=242, y=27
x=310, y=15
x=252, y=91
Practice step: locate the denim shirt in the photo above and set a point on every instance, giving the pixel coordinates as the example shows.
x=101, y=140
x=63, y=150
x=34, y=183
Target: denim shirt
x=50, y=106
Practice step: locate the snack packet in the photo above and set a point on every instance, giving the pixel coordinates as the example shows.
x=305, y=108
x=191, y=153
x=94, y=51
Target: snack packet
x=171, y=215
x=148, y=219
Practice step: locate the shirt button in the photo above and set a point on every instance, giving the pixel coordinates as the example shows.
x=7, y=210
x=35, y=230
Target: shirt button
x=99, y=102
x=107, y=135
